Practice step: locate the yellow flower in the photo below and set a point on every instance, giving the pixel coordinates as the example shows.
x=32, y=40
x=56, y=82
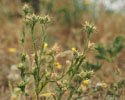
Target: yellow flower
x=58, y=65
x=104, y=85
x=12, y=50
x=46, y=94
x=86, y=23
x=73, y=49
x=86, y=82
x=45, y=45
x=20, y=65
x=87, y=2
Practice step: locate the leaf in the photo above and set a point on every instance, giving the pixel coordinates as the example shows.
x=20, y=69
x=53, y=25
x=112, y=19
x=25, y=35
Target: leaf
x=101, y=49
x=99, y=57
x=90, y=66
x=46, y=94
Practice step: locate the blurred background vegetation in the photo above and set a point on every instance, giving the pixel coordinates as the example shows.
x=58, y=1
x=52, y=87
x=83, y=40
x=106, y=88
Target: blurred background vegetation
x=66, y=28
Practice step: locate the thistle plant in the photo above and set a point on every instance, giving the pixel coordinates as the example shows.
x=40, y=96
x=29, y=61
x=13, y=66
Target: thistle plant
x=109, y=53
x=30, y=21
x=72, y=83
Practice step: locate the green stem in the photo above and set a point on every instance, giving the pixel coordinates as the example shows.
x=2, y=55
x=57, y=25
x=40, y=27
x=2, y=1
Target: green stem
x=73, y=91
x=36, y=77
x=42, y=43
x=60, y=96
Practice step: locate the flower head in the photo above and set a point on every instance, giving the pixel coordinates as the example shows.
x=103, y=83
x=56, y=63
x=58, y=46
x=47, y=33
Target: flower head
x=45, y=45
x=20, y=65
x=104, y=85
x=89, y=29
x=86, y=82
x=73, y=49
x=32, y=19
x=82, y=74
x=44, y=20
x=26, y=9
x=12, y=50
x=58, y=65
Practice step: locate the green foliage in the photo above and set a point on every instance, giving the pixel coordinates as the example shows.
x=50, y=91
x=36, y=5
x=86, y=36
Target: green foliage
x=75, y=76
x=109, y=52
x=66, y=15
x=90, y=66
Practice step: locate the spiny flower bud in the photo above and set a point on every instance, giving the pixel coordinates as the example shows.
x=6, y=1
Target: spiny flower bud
x=26, y=9
x=32, y=19
x=89, y=28
x=82, y=74
x=22, y=85
x=44, y=20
